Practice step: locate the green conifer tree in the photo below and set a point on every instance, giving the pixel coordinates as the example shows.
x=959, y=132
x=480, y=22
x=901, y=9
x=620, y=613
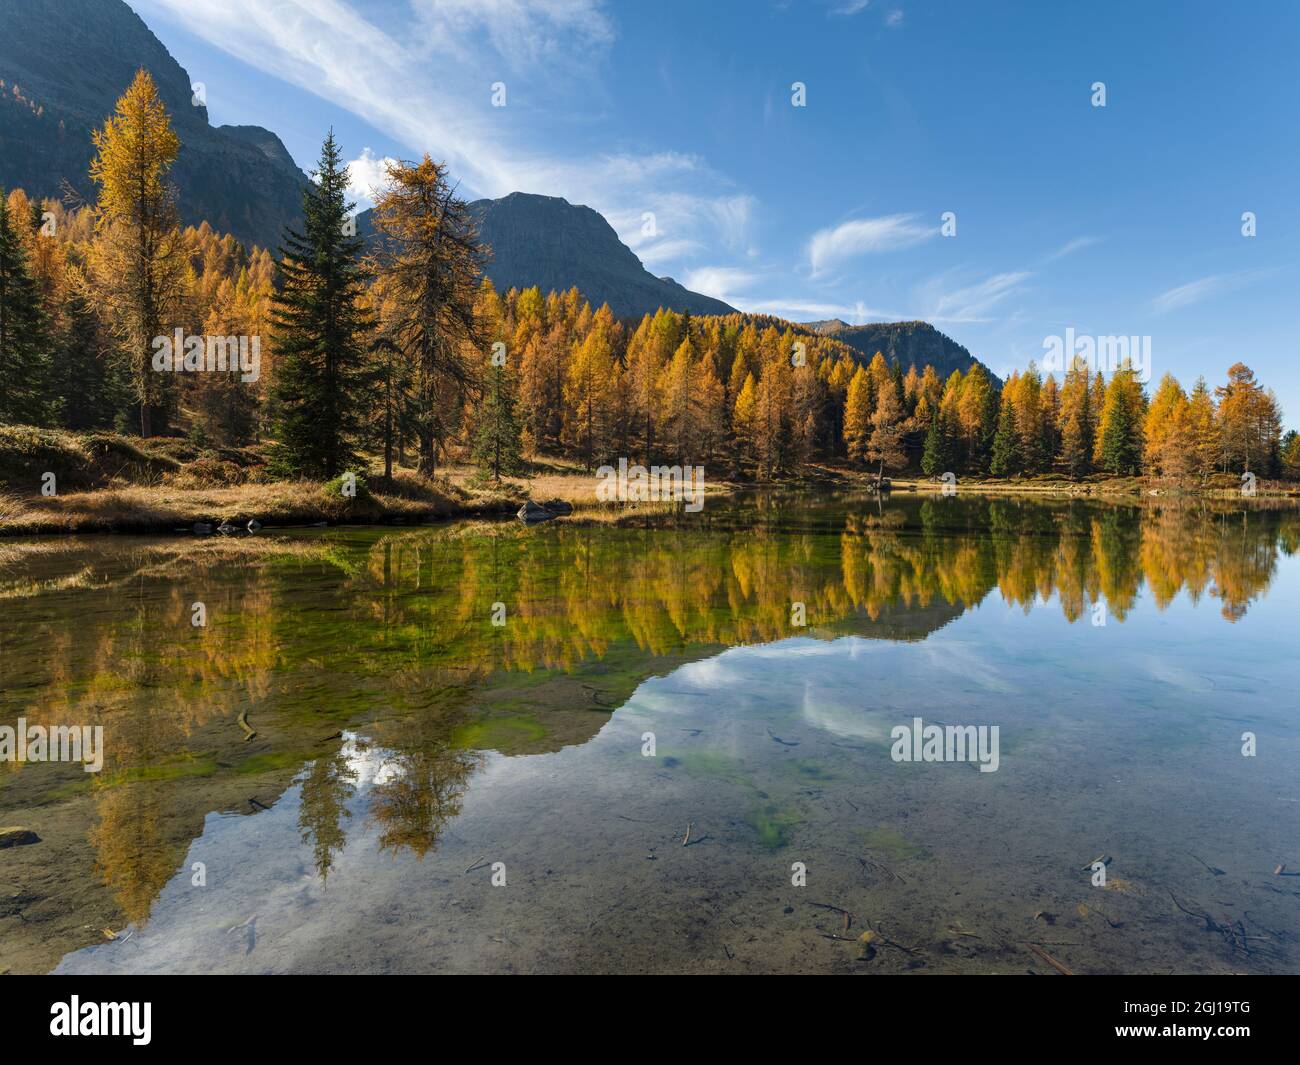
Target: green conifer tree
x=321, y=330
x=497, y=445
x=1007, y=459
x=937, y=457
x=1121, y=447
x=24, y=337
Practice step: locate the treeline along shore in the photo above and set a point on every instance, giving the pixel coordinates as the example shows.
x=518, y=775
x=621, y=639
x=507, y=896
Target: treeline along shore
x=156, y=376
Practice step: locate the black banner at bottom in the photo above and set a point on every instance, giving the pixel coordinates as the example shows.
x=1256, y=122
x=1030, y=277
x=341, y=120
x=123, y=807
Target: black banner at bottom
x=336, y=1013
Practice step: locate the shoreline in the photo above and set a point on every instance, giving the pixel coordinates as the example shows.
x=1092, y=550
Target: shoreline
x=284, y=505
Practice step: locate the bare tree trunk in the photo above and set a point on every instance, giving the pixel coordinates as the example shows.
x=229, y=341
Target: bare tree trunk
x=388, y=439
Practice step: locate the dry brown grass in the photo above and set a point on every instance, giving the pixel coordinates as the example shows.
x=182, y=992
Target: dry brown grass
x=406, y=498
x=154, y=509
x=557, y=479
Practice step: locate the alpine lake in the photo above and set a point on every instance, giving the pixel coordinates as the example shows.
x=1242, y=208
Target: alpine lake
x=666, y=746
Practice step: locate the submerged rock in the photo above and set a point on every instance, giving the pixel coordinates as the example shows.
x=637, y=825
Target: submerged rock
x=13, y=836
x=531, y=513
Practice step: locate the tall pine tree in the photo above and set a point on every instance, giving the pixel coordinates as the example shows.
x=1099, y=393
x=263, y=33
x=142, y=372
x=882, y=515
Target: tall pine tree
x=497, y=447
x=936, y=458
x=24, y=338
x=1007, y=459
x=321, y=332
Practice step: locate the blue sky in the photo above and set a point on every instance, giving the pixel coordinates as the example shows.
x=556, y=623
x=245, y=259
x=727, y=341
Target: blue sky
x=1122, y=220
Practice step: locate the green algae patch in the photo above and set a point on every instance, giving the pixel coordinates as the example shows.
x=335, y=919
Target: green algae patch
x=172, y=769
x=773, y=825
x=271, y=761
x=811, y=769
x=707, y=765
x=509, y=735
x=889, y=843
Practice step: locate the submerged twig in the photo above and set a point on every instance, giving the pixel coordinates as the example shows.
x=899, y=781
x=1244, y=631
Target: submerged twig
x=1212, y=868
x=1049, y=959
x=1210, y=925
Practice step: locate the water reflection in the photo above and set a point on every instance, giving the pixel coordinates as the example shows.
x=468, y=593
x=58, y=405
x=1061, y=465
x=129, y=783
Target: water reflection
x=391, y=634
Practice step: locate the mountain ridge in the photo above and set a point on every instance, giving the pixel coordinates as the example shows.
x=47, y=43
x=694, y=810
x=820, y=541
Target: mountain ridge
x=64, y=65
x=556, y=245
x=910, y=343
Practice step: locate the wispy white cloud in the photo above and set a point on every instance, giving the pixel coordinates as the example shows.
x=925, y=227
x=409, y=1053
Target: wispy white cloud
x=850, y=7
x=525, y=33
x=425, y=82
x=1071, y=246
x=721, y=282
x=803, y=310
x=831, y=247
x=894, y=18
x=970, y=302
x=1200, y=289
x=682, y=219
x=664, y=251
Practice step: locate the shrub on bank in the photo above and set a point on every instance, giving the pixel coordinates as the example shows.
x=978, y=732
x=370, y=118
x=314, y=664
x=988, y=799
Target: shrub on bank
x=28, y=453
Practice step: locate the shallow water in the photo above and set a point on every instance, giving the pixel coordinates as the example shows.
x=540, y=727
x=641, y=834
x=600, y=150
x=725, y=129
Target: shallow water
x=631, y=770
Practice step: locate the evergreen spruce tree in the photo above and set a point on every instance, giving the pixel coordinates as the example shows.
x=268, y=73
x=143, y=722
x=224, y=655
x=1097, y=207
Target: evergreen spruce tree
x=983, y=457
x=936, y=458
x=86, y=383
x=24, y=337
x=1121, y=446
x=321, y=329
x=1007, y=459
x=497, y=447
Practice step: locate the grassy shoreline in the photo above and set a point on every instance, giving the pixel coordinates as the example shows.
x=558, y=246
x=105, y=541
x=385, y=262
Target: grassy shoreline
x=107, y=483
x=278, y=505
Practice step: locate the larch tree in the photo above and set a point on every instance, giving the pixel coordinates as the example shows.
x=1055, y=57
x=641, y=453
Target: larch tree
x=1205, y=428
x=1029, y=421
x=431, y=257
x=888, y=429
x=857, y=416
x=1076, y=421
x=1249, y=422
x=139, y=259
x=587, y=391
x=676, y=410
x=743, y=421
x=1168, y=425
